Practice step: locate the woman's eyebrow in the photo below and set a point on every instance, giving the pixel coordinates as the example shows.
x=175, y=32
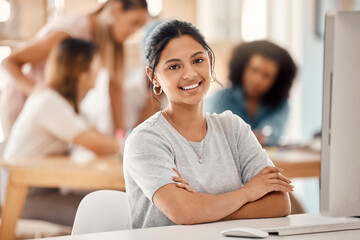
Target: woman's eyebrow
x=197, y=53
x=172, y=60
x=178, y=60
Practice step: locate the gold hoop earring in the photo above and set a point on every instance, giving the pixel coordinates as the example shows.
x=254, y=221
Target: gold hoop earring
x=155, y=92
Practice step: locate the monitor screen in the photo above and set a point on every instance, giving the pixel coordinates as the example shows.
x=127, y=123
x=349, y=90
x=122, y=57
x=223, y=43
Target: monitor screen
x=340, y=161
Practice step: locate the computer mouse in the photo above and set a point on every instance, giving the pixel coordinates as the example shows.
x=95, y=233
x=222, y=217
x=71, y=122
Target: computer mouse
x=245, y=232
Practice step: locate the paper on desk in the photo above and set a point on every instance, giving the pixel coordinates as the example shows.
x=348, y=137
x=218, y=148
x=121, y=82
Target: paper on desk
x=82, y=155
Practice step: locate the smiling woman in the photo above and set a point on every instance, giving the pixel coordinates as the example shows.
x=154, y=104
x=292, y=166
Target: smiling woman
x=231, y=176
x=183, y=79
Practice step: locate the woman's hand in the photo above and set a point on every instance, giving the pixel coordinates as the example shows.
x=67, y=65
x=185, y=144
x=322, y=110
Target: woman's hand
x=268, y=180
x=181, y=182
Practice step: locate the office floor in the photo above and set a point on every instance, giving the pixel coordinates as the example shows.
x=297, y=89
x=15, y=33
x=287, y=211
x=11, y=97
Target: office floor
x=29, y=229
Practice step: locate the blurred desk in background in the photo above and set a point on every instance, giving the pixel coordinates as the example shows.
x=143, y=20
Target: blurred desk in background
x=55, y=171
x=297, y=162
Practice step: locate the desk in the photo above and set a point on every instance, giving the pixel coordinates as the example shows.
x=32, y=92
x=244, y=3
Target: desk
x=57, y=171
x=211, y=231
x=296, y=162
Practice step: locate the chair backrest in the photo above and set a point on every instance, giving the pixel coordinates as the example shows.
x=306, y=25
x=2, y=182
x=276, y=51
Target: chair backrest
x=101, y=211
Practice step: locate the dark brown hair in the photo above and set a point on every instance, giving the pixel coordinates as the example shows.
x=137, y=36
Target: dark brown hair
x=286, y=72
x=64, y=65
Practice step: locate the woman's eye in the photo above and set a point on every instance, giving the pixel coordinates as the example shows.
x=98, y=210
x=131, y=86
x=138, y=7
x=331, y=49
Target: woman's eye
x=173, y=67
x=200, y=60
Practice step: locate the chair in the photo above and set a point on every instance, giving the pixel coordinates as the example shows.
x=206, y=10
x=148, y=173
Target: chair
x=101, y=211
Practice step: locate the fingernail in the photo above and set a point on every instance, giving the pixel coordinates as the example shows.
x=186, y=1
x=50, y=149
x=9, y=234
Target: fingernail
x=280, y=169
x=178, y=183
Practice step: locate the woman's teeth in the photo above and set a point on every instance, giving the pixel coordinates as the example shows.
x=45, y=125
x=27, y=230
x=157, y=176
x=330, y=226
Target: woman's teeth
x=191, y=86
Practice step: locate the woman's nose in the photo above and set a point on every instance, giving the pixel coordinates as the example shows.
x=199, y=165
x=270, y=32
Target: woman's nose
x=190, y=74
x=257, y=78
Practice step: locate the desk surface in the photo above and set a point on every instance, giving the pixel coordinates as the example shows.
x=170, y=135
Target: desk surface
x=297, y=162
x=54, y=171
x=211, y=231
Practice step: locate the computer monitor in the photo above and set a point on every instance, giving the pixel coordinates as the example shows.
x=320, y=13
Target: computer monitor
x=340, y=155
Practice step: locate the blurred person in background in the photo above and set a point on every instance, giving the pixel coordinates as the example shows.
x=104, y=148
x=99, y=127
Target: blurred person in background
x=261, y=75
x=108, y=27
x=50, y=123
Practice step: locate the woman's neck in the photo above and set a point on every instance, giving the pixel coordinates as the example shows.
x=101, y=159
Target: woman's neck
x=190, y=121
x=252, y=107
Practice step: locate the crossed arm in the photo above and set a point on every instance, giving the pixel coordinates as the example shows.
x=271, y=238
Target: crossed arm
x=265, y=195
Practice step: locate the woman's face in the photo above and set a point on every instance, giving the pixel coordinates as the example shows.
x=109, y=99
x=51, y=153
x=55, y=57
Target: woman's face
x=183, y=71
x=259, y=76
x=128, y=22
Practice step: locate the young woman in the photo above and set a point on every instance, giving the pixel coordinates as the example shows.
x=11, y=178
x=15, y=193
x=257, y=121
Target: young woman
x=261, y=74
x=231, y=176
x=108, y=27
x=50, y=123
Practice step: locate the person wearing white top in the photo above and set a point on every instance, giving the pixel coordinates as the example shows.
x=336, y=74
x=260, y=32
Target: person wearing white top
x=50, y=122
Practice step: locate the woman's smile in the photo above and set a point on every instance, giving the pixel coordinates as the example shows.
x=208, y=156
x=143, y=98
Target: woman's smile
x=192, y=87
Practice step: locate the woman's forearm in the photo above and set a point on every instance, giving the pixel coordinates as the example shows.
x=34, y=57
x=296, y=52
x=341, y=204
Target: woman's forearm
x=14, y=70
x=97, y=142
x=265, y=195
x=183, y=207
x=274, y=204
x=34, y=52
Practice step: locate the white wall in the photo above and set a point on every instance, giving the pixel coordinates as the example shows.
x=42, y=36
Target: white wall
x=311, y=73
x=293, y=26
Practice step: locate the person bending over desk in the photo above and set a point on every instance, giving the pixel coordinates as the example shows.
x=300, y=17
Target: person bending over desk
x=261, y=74
x=109, y=26
x=230, y=175
x=50, y=122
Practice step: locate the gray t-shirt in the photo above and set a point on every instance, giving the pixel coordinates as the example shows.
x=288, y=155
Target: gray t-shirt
x=231, y=153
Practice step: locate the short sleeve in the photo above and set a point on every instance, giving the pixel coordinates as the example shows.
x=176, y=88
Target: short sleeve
x=148, y=160
x=58, y=117
x=253, y=157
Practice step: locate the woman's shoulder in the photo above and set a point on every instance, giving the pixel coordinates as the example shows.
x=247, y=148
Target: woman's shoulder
x=47, y=99
x=42, y=94
x=150, y=135
x=149, y=126
x=76, y=26
x=46, y=93
x=228, y=124
x=225, y=118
